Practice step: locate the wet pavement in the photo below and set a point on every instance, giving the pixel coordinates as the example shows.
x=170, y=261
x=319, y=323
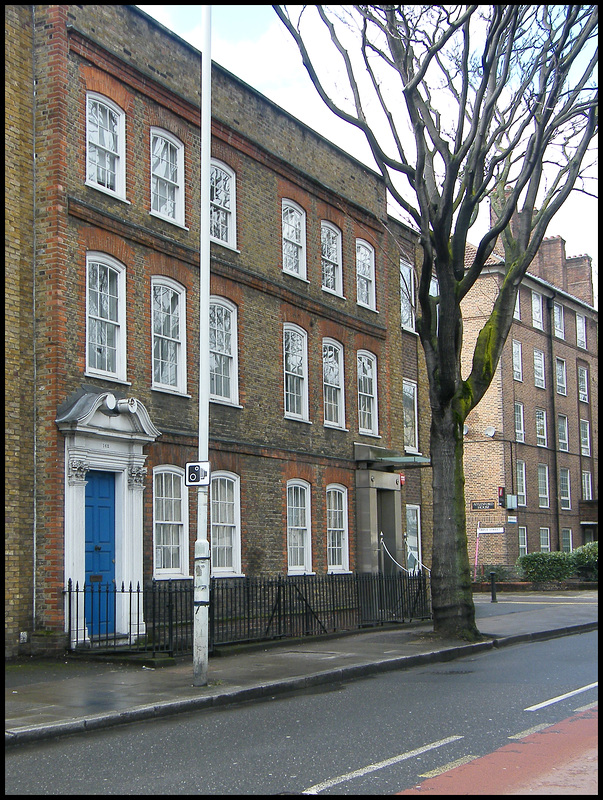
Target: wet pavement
x=46, y=698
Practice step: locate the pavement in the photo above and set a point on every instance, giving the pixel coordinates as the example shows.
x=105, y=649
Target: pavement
x=46, y=698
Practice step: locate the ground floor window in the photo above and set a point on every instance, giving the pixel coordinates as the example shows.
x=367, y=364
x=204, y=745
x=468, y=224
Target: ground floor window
x=170, y=522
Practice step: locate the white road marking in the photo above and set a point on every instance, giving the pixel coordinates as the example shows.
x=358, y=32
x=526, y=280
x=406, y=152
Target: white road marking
x=529, y=731
x=561, y=697
x=447, y=767
x=358, y=773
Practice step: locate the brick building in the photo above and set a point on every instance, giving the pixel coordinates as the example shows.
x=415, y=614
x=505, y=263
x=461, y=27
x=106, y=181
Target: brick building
x=535, y=433
x=318, y=393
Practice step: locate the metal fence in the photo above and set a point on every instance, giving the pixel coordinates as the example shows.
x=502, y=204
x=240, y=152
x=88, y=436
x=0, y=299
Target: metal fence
x=158, y=617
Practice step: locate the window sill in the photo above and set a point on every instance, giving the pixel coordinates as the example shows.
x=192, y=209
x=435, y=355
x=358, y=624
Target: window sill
x=107, y=377
x=171, y=221
x=167, y=390
x=298, y=419
x=228, y=246
x=336, y=427
x=227, y=574
x=108, y=192
x=301, y=278
x=221, y=402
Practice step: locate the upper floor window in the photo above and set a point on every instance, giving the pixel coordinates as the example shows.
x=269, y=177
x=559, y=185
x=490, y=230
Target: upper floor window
x=517, y=364
x=543, y=486
x=407, y=296
x=333, y=383
x=537, y=310
x=583, y=384
x=517, y=309
x=330, y=250
x=105, y=317
x=365, y=275
x=168, y=313
x=409, y=411
x=170, y=522
x=294, y=239
x=337, y=528
x=167, y=176
x=299, y=545
x=539, y=374
x=520, y=434
x=520, y=473
x=367, y=393
x=222, y=198
x=585, y=437
x=559, y=321
x=223, y=351
x=562, y=431
x=541, y=427
x=561, y=376
x=564, y=488
x=587, y=485
x=581, y=330
x=225, y=524
x=105, y=145
x=295, y=357
x=434, y=291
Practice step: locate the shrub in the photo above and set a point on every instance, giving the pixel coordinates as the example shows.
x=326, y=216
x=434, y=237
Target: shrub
x=585, y=561
x=542, y=567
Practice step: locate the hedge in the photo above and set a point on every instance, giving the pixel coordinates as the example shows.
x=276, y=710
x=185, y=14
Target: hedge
x=585, y=561
x=555, y=566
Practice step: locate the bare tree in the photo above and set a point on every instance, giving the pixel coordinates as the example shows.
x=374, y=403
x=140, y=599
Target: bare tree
x=460, y=105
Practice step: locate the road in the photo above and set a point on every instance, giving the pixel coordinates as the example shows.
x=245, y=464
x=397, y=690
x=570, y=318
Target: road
x=380, y=735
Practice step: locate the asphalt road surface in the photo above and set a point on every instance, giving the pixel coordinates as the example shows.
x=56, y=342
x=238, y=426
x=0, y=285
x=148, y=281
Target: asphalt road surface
x=380, y=735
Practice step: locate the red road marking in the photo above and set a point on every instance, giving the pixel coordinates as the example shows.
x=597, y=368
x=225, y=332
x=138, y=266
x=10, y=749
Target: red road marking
x=563, y=756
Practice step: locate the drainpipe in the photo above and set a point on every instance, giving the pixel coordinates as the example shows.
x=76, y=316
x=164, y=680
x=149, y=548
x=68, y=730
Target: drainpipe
x=34, y=348
x=550, y=304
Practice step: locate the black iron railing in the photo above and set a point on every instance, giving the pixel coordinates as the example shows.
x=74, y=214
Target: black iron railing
x=158, y=617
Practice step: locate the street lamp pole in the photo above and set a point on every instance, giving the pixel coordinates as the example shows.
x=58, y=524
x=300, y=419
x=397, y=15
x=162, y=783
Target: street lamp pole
x=201, y=568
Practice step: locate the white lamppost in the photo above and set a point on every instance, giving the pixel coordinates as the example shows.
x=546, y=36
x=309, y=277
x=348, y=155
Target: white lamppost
x=201, y=569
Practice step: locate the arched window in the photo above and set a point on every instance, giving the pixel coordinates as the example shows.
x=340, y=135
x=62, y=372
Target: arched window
x=105, y=145
x=225, y=524
x=294, y=239
x=337, y=528
x=333, y=383
x=168, y=321
x=365, y=275
x=299, y=544
x=367, y=393
x=105, y=317
x=223, y=377
x=295, y=357
x=223, y=205
x=167, y=176
x=170, y=522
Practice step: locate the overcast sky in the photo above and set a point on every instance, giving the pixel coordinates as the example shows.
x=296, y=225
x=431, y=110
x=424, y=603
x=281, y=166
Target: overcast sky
x=251, y=42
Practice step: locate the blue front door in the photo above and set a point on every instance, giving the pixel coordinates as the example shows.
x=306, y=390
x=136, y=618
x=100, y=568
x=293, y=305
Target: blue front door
x=100, y=552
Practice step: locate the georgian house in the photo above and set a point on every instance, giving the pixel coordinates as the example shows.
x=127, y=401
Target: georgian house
x=318, y=397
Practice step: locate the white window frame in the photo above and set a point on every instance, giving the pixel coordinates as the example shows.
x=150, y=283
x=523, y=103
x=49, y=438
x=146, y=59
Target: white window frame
x=584, y=437
x=587, y=485
x=333, y=385
x=223, y=209
x=297, y=377
x=520, y=474
x=331, y=258
x=539, y=370
x=581, y=331
x=517, y=361
x=227, y=352
x=367, y=397
x=567, y=544
x=583, y=384
x=179, y=386
x=537, y=317
x=559, y=320
x=175, y=204
x=543, y=486
x=545, y=540
x=523, y=540
x=407, y=296
x=337, y=526
x=561, y=376
x=565, y=492
x=541, y=431
x=414, y=510
x=563, y=433
x=518, y=415
x=94, y=319
x=517, y=309
x=294, y=240
x=410, y=415
x=177, y=474
x=225, y=514
x=365, y=279
x=299, y=521
x=119, y=154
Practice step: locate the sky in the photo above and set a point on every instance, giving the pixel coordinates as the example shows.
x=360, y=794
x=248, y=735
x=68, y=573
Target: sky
x=251, y=42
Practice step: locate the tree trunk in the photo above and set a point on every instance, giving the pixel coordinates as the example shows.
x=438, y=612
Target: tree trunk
x=452, y=600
